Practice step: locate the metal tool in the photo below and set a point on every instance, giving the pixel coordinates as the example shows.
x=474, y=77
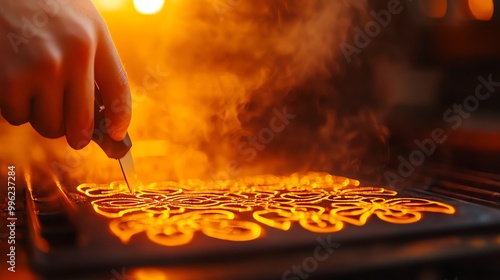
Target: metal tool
x=119, y=150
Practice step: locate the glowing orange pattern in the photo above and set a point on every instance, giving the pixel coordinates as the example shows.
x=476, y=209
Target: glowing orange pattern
x=170, y=213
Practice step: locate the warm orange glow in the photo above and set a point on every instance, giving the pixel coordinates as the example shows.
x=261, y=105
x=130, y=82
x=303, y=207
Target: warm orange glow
x=109, y=5
x=434, y=8
x=170, y=213
x=482, y=9
x=148, y=274
x=148, y=7
x=206, y=79
x=196, y=68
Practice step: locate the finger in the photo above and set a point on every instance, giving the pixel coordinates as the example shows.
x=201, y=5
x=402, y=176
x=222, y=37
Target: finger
x=17, y=114
x=114, y=87
x=47, y=112
x=15, y=102
x=79, y=109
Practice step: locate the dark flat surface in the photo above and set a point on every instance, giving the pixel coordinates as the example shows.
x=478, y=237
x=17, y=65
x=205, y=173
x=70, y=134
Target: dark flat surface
x=377, y=244
x=443, y=245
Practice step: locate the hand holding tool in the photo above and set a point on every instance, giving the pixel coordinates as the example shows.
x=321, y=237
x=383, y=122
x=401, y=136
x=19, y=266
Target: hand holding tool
x=119, y=150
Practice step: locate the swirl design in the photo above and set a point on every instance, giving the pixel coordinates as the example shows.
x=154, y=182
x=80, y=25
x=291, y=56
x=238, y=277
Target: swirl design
x=170, y=213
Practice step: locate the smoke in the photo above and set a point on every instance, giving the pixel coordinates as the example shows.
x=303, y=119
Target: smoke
x=212, y=79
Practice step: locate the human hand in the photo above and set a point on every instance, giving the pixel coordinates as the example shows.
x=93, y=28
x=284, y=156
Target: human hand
x=51, y=54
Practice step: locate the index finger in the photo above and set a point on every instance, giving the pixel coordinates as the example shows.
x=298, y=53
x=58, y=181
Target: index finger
x=113, y=84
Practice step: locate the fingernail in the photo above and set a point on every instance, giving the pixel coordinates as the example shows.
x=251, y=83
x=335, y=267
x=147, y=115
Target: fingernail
x=118, y=135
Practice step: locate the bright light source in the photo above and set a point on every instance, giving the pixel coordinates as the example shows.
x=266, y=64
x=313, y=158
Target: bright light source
x=148, y=7
x=109, y=5
x=482, y=9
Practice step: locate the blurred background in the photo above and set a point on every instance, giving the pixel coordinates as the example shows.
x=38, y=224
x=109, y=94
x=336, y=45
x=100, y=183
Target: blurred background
x=401, y=93
x=208, y=77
